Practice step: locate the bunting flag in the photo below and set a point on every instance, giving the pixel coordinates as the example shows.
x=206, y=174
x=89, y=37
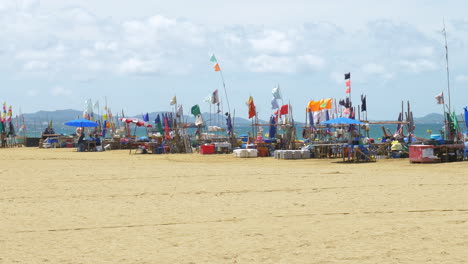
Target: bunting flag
x=363, y=103
x=284, y=110
x=347, y=77
x=195, y=110
x=216, y=67
x=276, y=92
x=173, y=101
x=213, y=59
x=440, y=98
x=215, y=97
x=9, y=114
x=274, y=103
x=250, y=104
x=180, y=111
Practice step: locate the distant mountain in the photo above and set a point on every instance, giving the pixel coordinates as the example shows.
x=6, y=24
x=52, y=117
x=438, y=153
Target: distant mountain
x=432, y=118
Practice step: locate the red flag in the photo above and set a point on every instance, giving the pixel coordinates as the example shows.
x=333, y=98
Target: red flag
x=251, y=105
x=216, y=67
x=284, y=110
x=166, y=128
x=348, y=83
x=348, y=90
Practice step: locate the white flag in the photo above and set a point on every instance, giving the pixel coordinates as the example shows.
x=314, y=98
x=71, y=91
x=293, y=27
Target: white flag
x=440, y=98
x=173, y=101
x=274, y=103
x=180, y=111
x=207, y=99
x=96, y=105
x=198, y=120
x=276, y=92
x=215, y=98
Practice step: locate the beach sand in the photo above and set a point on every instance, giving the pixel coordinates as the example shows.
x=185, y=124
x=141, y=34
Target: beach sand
x=60, y=206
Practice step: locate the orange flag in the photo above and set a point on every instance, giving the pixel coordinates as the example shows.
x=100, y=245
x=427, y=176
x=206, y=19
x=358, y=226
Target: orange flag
x=216, y=67
x=314, y=106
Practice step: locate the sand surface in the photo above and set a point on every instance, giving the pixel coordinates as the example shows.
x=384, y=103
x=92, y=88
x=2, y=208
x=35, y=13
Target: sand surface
x=60, y=206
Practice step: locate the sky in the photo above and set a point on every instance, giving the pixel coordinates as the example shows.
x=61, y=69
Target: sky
x=55, y=54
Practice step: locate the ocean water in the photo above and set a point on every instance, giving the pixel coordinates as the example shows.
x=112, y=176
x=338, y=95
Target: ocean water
x=375, y=130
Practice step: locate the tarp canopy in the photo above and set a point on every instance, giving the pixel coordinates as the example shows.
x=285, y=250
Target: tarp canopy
x=342, y=121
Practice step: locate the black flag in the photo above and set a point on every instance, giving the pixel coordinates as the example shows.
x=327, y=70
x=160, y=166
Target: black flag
x=363, y=102
x=347, y=76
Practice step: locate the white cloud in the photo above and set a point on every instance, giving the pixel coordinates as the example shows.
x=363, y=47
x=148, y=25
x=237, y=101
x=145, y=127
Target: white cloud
x=272, y=41
x=312, y=61
x=36, y=66
x=268, y=63
x=418, y=66
x=32, y=93
x=373, y=68
x=60, y=91
x=137, y=66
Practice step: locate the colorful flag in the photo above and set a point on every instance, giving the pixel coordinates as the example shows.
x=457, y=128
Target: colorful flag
x=347, y=77
x=251, y=105
x=284, y=110
x=215, y=97
x=276, y=92
x=158, y=124
x=216, y=67
x=213, y=59
x=363, y=103
x=274, y=103
x=314, y=106
x=195, y=110
x=173, y=100
x=440, y=98
x=325, y=104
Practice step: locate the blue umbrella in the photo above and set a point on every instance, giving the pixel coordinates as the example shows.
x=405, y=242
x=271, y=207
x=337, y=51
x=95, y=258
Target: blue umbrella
x=343, y=121
x=81, y=123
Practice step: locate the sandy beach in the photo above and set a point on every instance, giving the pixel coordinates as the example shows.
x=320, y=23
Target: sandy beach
x=61, y=206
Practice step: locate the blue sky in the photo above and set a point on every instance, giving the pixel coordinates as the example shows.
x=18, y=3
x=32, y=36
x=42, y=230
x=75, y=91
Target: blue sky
x=55, y=54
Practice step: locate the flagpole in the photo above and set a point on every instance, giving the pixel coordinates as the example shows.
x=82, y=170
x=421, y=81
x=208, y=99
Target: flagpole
x=447, y=66
x=225, y=92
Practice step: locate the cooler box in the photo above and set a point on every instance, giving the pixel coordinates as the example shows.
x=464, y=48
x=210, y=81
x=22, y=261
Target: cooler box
x=262, y=151
x=207, y=149
x=252, y=153
x=422, y=153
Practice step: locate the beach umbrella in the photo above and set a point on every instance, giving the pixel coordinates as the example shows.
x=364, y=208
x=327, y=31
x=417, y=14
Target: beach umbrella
x=81, y=123
x=342, y=121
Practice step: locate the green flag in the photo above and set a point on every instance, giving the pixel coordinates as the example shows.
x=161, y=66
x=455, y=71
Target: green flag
x=196, y=110
x=213, y=59
x=2, y=127
x=455, y=121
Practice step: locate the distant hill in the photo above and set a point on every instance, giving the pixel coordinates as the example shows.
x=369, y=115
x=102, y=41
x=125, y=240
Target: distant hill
x=432, y=118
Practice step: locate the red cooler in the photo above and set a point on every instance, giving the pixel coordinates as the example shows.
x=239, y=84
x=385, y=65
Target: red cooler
x=207, y=149
x=422, y=153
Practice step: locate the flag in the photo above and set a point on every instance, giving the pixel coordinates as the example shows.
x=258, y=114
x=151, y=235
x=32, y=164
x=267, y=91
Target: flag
x=199, y=120
x=173, y=101
x=228, y=123
x=96, y=105
x=213, y=59
x=251, y=105
x=166, y=127
x=311, y=117
x=104, y=117
x=216, y=67
x=347, y=77
x=465, y=109
x=274, y=103
x=180, y=111
x=146, y=117
x=363, y=103
x=195, y=110
x=284, y=110
x=272, y=130
x=325, y=104
x=215, y=97
x=276, y=92
x=440, y=98
x=158, y=124
x=455, y=120
x=207, y=99
x=314, y=106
